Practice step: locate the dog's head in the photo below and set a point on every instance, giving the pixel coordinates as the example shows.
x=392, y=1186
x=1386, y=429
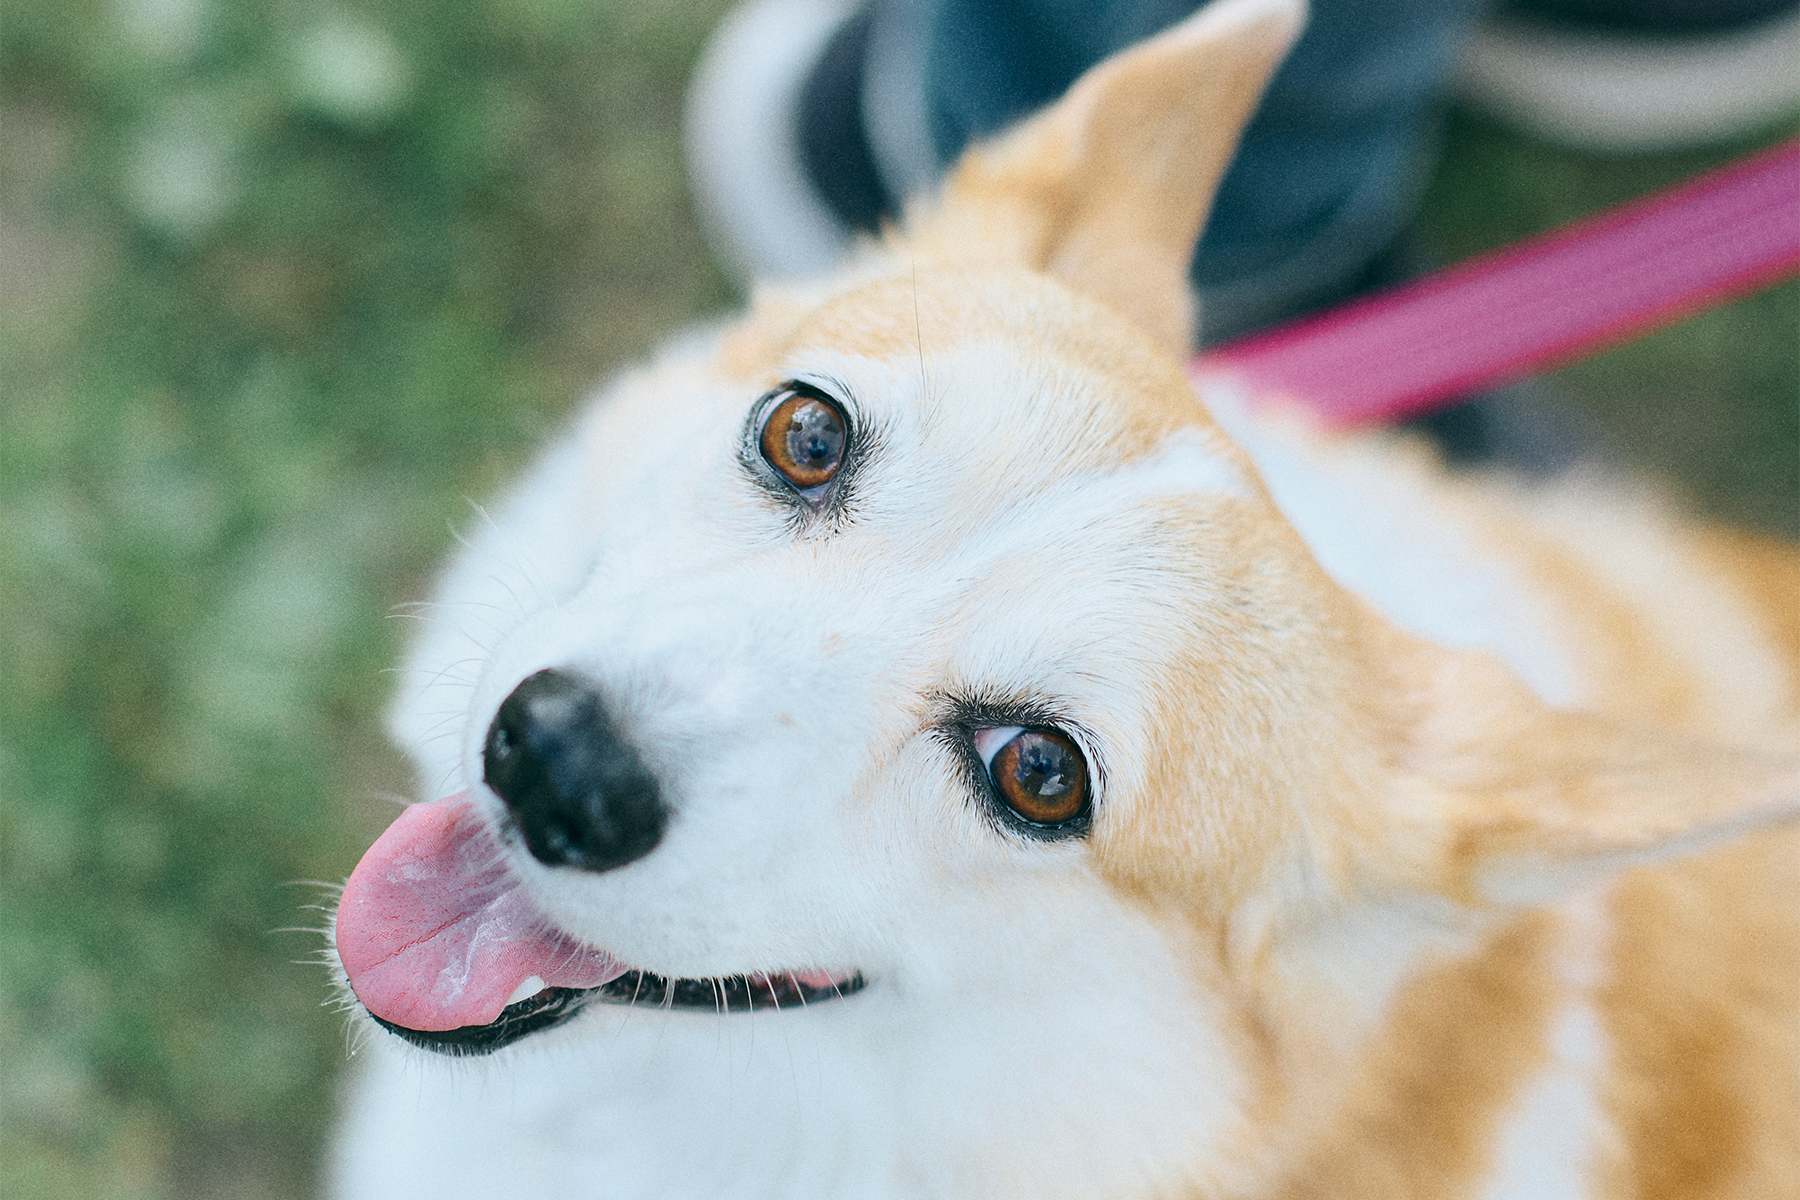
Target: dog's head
x=919, y=653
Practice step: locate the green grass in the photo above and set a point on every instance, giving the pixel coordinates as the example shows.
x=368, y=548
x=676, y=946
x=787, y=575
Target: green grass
x=266, y=329
x=1712, y=405
x=238, y=424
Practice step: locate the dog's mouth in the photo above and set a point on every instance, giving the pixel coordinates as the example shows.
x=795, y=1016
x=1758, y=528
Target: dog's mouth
x=554, y=1005
x=441, y=946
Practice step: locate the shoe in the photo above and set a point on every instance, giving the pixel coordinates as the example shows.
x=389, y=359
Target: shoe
x=805, y=126
x=1582, y=75
x=758, y=205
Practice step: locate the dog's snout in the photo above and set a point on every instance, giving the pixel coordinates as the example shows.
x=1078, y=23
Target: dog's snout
x=579, y=792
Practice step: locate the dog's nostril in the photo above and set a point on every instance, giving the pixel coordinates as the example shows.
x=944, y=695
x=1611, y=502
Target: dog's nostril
x=561, y=840
x=580, y=794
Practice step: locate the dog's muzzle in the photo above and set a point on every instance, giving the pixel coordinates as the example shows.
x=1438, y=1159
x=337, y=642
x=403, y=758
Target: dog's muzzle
x=439, y=940
x=579, y=792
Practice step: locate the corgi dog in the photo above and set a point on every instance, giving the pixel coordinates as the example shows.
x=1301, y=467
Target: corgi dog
x=909, y=741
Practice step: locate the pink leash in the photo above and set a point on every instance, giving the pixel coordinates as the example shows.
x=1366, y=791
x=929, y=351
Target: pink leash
x=1521, y=310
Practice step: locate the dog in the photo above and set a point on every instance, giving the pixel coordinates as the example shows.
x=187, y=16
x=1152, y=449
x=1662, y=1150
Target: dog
x=908, y=742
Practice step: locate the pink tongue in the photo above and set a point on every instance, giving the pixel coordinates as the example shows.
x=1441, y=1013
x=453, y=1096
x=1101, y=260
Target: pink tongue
x=434, y=933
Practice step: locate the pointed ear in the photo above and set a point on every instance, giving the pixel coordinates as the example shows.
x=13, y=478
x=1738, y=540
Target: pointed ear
x=1107, y=189
x=1532, y=803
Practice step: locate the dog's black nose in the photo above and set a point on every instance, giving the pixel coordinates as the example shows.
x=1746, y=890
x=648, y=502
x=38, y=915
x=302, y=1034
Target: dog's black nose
x=579, y=792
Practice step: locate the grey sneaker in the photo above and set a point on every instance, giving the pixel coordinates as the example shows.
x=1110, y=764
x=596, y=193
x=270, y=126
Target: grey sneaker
x=761, y=211
x=1585, y=75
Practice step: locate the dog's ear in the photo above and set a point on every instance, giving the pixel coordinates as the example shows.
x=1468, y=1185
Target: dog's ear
x=1522, y=804
x=1108, y=188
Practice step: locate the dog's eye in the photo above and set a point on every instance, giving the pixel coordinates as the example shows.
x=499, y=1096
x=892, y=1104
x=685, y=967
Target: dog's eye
x=803, y=438
x=1038, y=773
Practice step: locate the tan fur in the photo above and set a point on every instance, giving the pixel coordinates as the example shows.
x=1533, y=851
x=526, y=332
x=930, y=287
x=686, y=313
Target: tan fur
x=1318, y=771
x=1701, y=1002
x=1767, y=574
x=1417, y=1120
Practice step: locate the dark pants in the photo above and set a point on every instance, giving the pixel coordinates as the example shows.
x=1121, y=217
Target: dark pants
x=1329, y=169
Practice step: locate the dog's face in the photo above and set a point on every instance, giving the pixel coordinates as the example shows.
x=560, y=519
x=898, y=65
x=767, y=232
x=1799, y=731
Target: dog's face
x=836, y=674
x=919, y=657
x=903, y=638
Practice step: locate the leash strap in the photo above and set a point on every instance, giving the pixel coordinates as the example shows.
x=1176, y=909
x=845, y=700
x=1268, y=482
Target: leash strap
x=1526, y=308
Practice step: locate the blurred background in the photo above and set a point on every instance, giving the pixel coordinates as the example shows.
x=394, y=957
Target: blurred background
x=285, y=286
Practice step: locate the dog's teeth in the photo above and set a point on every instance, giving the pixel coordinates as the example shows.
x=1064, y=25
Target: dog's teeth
x=526, y=990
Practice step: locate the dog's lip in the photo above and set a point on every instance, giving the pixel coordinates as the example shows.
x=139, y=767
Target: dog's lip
x=552, y=1006
x=439, y=941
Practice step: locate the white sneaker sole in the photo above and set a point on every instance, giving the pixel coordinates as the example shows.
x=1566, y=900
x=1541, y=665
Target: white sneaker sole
x=1617, y=94
x=761, y=217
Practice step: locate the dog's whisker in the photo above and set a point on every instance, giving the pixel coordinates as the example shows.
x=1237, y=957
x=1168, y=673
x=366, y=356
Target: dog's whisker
x=446, y=735
x=444, y=779
x=487, y=604
x=433, y=675
x=382, y=794
x=447, y=727
x=456, y=533
x=482, y=512
x=491, y=628
x=522, y=568
x=518, y=604
x=918, y=328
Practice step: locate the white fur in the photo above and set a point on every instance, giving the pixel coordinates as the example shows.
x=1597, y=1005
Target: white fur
x=1556, y=1136
x=900, y=1095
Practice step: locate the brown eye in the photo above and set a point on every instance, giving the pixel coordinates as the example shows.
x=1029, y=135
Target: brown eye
x=1041, y=776
x=803, y=438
